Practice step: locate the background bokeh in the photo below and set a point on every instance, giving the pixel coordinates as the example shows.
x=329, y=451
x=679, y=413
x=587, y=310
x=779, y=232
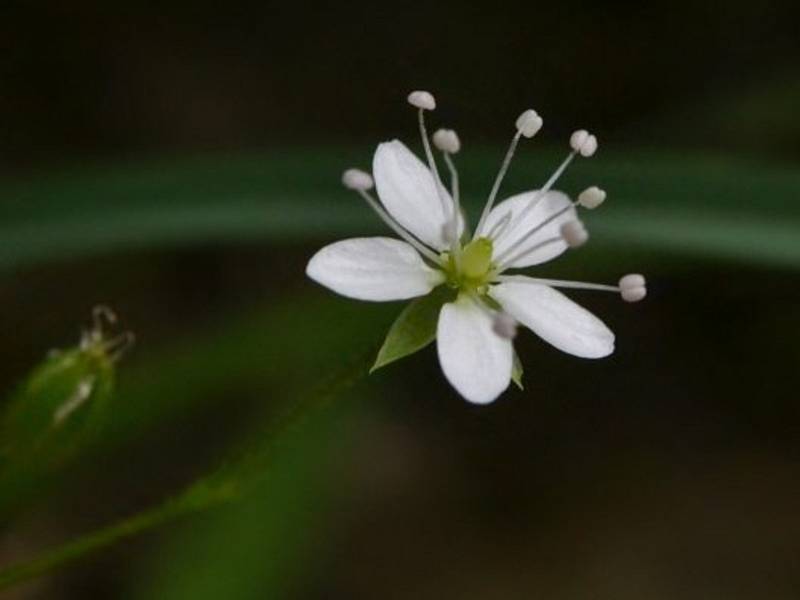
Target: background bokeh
x=180, y=162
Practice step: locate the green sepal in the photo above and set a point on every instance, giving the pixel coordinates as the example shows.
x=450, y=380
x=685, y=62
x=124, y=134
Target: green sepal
x=414, y=328
x=516, y=371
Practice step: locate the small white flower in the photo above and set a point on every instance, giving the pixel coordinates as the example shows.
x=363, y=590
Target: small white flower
x=475, y=331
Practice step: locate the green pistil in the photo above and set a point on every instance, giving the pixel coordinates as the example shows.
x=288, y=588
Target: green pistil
x=475, y=262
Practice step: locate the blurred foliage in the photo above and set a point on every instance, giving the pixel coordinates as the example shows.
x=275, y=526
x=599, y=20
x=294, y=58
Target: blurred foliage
x=691, y=205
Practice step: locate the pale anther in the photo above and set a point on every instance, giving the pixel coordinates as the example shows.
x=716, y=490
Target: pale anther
x=583, y=142
x=504, y=325
x=422, y=100
x=633, y=287
x=447, y=140
x=356, y=179
x=574, y=233
x=529, y=123
x=591, y=197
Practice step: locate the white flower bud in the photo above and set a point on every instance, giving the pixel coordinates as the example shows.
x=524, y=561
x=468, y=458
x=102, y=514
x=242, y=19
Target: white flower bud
x=356, y=179
x=529, y=123
x=583, y=142
x=422, y=99
x=633, y=287
x=447, y=140
x=574, y=233
x=591, y=197
x=504, y=326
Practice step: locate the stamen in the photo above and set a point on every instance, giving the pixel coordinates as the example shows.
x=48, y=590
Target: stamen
x=533, y=231
x=581, y=143
x=422, y=100
x=425, y=101
x=591, y=197
x=504, y=325
x=447, y=141
x=559, y=283
x=356, y=179
x=528, y=123
x=574, y=233
x=499, y=227
x=633, y=287
x=503, y=265
x=398, y=229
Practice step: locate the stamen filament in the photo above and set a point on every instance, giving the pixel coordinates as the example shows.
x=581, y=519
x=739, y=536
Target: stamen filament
x=544, y=189
x=503, y=265
x=498, y=180
x=499, y=227
x=455, y=244
x=437, y=180
x=399, y=230
x=577, y=285
x=535, y=230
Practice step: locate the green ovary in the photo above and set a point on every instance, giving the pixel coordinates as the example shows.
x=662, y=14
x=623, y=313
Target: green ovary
x=474, y=264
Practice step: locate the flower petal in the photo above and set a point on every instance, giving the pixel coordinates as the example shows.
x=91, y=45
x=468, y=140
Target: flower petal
x=475, y=360
x=549, y=204
x=555, y=318
x=376, y=268
x=406, y=188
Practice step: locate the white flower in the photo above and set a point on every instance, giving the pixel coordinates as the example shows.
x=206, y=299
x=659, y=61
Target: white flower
x=475, y=331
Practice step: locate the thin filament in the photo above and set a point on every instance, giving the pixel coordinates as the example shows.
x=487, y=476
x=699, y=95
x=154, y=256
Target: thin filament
x=498, y=180
x=577, y=285
x=437, y=180
x=503, y=265
x=394, y=226
x=544, y=189
x=535, y=230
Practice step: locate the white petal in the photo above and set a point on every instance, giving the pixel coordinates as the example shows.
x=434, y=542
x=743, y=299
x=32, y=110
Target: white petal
x=406, y=188
x=555, y=318
x=548, y=205
x=375, y=268
x=475, y=360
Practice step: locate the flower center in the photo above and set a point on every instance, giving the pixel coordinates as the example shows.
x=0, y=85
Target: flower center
x=474, y=263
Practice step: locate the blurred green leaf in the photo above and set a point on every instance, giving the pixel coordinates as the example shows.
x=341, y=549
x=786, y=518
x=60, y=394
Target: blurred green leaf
x=218, y=487
x=414, y=328
x=690, y=205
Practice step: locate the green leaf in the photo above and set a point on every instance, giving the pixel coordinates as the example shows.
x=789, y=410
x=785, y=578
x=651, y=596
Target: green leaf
x=516, y=371
x=688, y=205
x=415, y=328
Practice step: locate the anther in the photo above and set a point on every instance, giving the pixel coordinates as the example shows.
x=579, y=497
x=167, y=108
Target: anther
x=504, y=326
x=529, y=123
x=356, y=179
x=447, y=141
x=583, y=142
x=422, y=100
x=574, y=233
x=633, y=287
x=591, y=197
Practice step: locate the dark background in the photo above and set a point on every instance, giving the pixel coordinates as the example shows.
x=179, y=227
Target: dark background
x=671, y=470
